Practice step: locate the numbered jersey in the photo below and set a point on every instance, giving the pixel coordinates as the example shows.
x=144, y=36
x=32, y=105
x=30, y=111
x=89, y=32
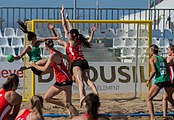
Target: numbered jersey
x=24, y=115
x=75, y=52
x=5, y=107
x=162, y=70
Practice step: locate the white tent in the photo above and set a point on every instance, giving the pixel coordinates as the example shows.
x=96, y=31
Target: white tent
x=159, y=17
x=166, y=4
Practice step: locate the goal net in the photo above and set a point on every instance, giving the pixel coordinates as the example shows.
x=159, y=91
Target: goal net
x=118, y=58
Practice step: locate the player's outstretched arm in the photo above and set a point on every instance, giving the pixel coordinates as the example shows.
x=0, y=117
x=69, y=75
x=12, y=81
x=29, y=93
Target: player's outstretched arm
x=69, y=23
x=93, y=29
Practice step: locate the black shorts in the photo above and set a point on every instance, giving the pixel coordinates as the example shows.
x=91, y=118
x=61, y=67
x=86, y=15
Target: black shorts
x=36, y=71
x=172, y=85
x=163, y=84
x=83, y=64
x=63, y=83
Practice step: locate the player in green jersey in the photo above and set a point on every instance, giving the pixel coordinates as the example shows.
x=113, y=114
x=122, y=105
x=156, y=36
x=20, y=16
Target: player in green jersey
x=159, y=69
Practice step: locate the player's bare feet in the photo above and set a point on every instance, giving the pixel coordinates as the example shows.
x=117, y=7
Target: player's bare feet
x=23, y=68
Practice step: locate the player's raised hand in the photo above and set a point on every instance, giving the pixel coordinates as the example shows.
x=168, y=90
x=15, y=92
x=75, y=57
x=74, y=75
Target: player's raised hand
x=67, y=14
x=94, y=28
x=62, y=11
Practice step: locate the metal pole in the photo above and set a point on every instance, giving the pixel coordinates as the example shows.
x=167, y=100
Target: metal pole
x=149, y=8
x=149, y=4
x=97, y=9
x=75, y=6
x=74, y=16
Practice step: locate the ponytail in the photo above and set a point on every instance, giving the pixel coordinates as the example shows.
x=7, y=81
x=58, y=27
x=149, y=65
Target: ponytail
x=37, y=103
x=84, y=41
x=75, y=34
x=23, y=27
x=92, y=105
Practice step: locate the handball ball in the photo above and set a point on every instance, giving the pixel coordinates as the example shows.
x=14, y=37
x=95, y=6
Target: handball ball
x=10, y=58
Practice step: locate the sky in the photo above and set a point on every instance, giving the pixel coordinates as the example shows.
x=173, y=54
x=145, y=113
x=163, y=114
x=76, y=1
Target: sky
x=80, y=3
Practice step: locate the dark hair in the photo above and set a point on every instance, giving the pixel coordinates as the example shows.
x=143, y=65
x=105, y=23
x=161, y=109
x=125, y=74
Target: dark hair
x=171, y=47
x=37, y=102
x=11, y=82
x=75, y=34
x=92, y=105
x=23, y=27
x=155, y=48
x=49, y=43
x=74, y=31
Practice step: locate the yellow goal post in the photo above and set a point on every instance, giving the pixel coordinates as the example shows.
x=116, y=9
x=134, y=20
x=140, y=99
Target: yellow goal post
x=29, y=77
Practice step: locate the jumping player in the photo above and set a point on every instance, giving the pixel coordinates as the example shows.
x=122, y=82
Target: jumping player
x=33, y=50
x=80, y=67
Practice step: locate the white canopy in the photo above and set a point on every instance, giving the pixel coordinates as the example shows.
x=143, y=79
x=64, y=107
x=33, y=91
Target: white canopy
x=160, y=17
x=166, y=4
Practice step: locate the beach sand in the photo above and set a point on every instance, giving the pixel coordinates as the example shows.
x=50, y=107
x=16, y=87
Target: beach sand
x=110, y=104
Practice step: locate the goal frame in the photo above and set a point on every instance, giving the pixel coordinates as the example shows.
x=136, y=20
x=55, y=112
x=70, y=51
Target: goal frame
x=35, y=21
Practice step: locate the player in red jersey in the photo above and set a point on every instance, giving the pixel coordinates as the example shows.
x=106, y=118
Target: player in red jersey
x=92, y=105
x=170, y=59
x=80, y=66
x=35, y=110
x=9, y=99
x=63, y=78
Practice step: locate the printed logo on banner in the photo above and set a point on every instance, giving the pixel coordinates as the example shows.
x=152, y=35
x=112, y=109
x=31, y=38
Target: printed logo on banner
x=108, y=76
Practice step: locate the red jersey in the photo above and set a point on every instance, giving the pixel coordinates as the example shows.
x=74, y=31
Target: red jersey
x=60, y=70
x=75, y=52
x=86, y=115
x=24, y=115
x=5, y=107
x=171, y=73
